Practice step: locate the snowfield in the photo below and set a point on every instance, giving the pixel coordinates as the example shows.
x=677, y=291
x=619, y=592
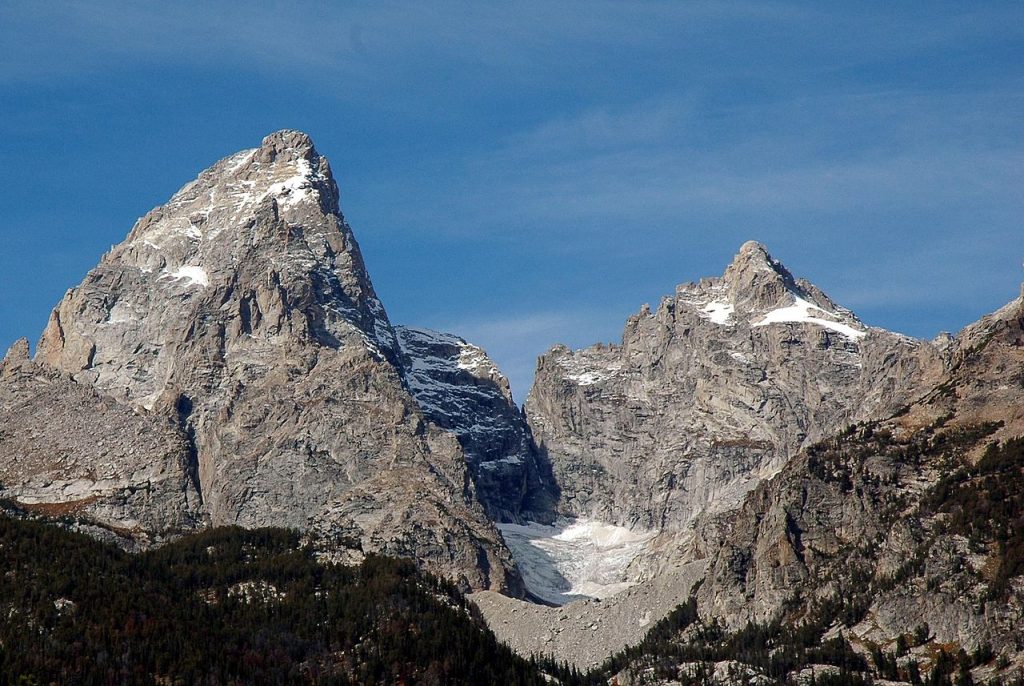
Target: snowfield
x=804, y=311
x=574, y=559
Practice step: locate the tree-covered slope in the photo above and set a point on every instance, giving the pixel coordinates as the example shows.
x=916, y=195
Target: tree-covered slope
x=231, y=606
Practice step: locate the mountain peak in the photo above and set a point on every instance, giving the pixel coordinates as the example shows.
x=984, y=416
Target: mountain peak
x=241, y=311
x=758, y=289
x=256, y=243
x=288, y=143
x=757, y=281
x=18, y=352
x=753, y=257
x=754, y=248
x=224, y=198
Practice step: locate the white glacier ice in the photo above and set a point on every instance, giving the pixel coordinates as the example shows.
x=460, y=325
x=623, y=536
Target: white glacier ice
x=574, y=559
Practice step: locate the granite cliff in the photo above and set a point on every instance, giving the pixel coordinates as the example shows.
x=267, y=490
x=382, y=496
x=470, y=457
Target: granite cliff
x=713, y=392
x=462, y=391
x=891, y=548
x=241, y=312
x=898, y=544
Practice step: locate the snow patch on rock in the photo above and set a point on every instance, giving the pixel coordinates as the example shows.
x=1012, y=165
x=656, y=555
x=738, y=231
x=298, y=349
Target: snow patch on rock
x=586, y=369
x=195, y=275
x=803, y=311
x=590, y=378
x=718, y=312
x=452, y=380
x=297, y=188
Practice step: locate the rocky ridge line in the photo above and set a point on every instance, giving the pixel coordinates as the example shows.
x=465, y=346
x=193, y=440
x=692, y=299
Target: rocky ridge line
x=461, y=390
x=711, y=393
x=242, y=311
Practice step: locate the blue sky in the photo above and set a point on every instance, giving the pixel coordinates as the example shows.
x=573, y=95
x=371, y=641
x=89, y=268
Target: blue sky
x=526, y=173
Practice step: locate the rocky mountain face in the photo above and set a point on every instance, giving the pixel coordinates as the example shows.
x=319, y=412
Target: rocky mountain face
x=890, y=550
x=242, y=310
x=902, y=537
x=706, y=398
x=712, y=393
x=897, y=515
x=784, y=464
x=68, y=449
x=462, y=391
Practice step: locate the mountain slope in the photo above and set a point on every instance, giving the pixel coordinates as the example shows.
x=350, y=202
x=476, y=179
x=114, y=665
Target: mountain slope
x=711, y=393
x=923, y=508
x=903, y=537
x=890, y=550
x=461, y=390
x=70, y=451
x=230, y=606
x=242, y=310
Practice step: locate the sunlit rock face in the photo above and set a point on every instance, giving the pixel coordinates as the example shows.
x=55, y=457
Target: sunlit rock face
x=242, y=311
x=68, y=451
x=867, y=514
x=711, y=393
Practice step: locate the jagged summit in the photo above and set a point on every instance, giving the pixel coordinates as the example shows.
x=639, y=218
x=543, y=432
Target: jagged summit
x=754, y=256
x=766, y=363
x=242, y=313
x=287, y=140
x=18, y=352
x=285, y=172
x=256, y=244
x=758, y=290
x=755, y=276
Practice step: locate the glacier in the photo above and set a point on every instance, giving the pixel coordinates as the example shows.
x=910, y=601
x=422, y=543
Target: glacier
x=574, y=559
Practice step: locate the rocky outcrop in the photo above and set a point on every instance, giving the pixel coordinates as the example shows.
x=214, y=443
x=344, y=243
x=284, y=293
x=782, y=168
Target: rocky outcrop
x=986, y=375
x=242, y=310
x=705, y=398
x=461, y=390
x=69, y=451
x=712, y=393
x=897, y=530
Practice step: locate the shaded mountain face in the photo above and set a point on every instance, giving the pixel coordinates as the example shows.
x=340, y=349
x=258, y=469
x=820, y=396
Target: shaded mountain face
x=242, y=310
x=713, y=392
x=462, y=391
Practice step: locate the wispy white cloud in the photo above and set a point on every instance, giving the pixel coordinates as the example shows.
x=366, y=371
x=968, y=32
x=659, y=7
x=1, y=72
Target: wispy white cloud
x=58, y=38
x=527, y=37
x=825, y=153
x=601, y=129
